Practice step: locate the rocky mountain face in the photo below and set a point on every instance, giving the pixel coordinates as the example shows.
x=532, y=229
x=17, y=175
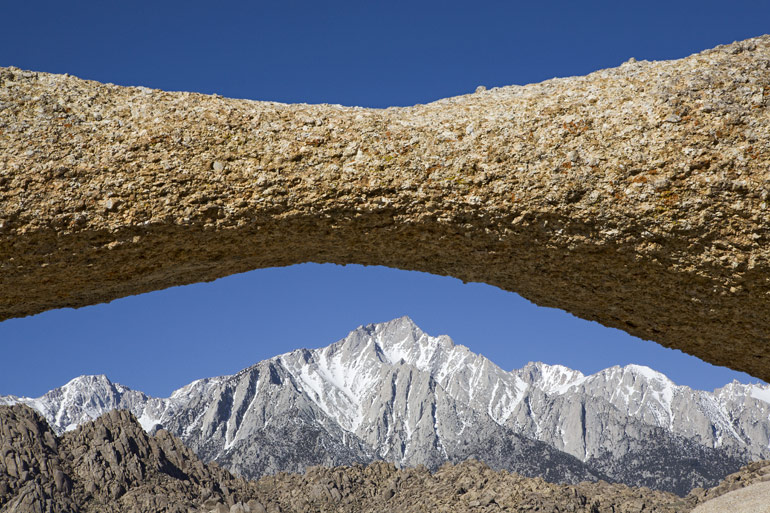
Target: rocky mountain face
x=112, y=465
x=107, y=465
x=391, y=392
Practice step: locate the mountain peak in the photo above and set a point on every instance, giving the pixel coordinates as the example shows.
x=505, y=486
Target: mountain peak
x=399, y=323
x=647, y=372
x=404, y=319
x=401, y=339
x=552, y=378
x=403, y=324
x=89, y=379
x=92, y=382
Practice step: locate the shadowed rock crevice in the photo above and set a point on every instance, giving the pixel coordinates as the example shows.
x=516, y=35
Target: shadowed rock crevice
x=633, y=196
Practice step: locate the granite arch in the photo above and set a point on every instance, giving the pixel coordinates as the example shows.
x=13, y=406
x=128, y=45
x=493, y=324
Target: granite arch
x=633, y=196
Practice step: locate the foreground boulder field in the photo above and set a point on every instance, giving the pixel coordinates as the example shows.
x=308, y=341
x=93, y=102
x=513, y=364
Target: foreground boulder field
x=633, y=196
x=112, y=465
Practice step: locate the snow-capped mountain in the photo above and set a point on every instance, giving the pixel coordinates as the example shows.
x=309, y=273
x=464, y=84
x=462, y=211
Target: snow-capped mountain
x=390, y=391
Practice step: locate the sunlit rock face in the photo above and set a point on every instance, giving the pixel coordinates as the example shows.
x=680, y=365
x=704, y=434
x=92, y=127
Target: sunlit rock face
x=633, y=196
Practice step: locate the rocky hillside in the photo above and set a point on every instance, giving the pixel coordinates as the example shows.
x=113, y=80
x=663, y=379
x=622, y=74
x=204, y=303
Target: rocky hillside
x=110, y=464
x=113, y=465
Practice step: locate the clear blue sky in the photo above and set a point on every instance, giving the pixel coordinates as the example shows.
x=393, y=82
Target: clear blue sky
x=366, y=53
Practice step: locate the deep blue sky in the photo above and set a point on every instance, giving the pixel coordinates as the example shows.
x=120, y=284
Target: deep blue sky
x=366, y=53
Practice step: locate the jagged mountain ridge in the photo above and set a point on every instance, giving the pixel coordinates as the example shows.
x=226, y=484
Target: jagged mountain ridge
x=389, y=391
x=112, y=465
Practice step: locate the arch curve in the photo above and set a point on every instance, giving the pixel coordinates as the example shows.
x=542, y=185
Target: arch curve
x=634, y=196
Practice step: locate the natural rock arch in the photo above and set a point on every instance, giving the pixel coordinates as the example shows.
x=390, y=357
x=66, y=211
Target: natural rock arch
x=634, y=196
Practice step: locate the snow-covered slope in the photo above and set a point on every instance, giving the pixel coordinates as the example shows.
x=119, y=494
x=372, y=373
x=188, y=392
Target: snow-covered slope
x=342, y=376
x=390, y=391
x=83, y=399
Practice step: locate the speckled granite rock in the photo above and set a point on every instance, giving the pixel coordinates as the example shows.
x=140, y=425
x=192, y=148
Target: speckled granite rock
x=634, y=196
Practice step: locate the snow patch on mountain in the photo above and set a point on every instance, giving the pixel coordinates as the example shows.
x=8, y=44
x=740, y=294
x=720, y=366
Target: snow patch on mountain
x=760, y=392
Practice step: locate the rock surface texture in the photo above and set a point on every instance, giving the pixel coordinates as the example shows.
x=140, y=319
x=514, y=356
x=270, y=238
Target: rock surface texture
x=747, y=490
x=754, y=499
x=111, y=464
x=633, y=196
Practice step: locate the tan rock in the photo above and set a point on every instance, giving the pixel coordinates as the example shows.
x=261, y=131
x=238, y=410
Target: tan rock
x=751, y=499
x=634, y=196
